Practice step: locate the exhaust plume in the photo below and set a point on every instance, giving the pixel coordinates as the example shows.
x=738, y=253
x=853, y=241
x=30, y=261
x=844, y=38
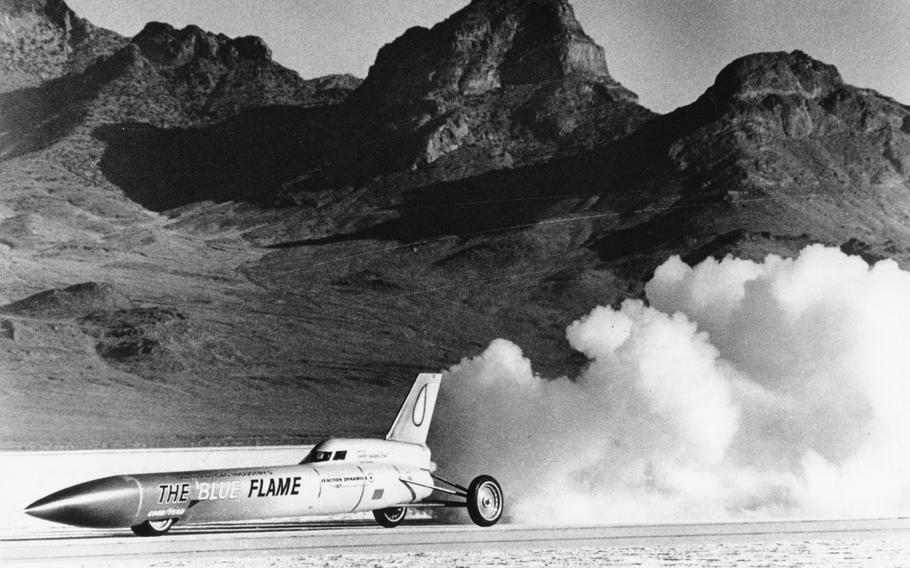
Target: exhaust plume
x=743, y=389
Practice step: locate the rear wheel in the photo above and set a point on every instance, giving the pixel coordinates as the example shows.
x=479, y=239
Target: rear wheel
x=485, y=501
x=153, y=528
x=390, y=517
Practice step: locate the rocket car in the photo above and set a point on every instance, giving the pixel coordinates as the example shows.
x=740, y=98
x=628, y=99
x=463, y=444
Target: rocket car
x=339, y=475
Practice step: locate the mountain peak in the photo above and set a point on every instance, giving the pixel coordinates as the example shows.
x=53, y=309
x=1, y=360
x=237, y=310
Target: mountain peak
x=56, y=12
x=164, y=44
x=782, y=73
x=487, y=45
x=59, y=42
x=497, y=84
x=548, y=42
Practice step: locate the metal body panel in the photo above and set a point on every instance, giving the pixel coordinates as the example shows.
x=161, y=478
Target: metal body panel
x=228, y=494
x=234, y=494
x=367, y=451
x=108, y=502
x=289, y=491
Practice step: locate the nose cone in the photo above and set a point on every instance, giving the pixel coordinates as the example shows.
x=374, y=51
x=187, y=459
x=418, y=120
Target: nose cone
x=104, y=503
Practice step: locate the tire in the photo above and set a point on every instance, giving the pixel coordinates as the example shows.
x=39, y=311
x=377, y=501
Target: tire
x=485, y=501
x=391, y=517
x=153, y=528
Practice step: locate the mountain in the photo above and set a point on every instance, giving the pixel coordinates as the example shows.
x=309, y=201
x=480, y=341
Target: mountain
x=780, y=152
x=508, y=83
x=163, y=77
x=43, y=39
x=196, y=232
x=439, y=104
x=776, y=154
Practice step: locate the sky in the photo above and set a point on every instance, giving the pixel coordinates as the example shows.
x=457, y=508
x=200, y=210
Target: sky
x=667, y=52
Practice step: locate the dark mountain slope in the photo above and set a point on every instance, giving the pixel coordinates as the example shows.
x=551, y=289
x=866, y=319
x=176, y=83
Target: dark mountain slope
x=248, y=157
x=497, y=85
x=164, y=77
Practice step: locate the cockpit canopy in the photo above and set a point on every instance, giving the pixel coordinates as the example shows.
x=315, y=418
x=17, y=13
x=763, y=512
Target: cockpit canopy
x=365, y=450
x=317, y=455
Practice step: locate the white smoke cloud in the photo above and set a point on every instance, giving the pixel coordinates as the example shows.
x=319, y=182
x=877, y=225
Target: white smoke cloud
x=749, y=389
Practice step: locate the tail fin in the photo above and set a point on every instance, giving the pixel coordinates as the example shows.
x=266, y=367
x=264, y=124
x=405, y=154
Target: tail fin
x=413, y=421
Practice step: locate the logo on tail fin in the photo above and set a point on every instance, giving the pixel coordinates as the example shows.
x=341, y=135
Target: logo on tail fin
x=420, y=407
x=413, y=421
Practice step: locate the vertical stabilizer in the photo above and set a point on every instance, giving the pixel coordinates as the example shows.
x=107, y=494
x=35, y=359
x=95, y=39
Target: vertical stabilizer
x=413, y=421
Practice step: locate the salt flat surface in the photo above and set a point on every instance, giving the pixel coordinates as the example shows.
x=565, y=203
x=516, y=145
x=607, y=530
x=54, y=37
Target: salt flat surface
x=822, y=552
x=891, y=552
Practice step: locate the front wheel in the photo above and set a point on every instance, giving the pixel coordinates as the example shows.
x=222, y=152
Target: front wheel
x=485, y=501
x=390, y=517
x=153, y=528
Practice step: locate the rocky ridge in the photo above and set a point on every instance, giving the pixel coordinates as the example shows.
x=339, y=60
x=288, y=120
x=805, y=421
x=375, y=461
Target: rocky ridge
x=780, y=145
x=439, y=104
x=776, y=154
x=163, y=78
x=485, y=47
x=515, y=82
